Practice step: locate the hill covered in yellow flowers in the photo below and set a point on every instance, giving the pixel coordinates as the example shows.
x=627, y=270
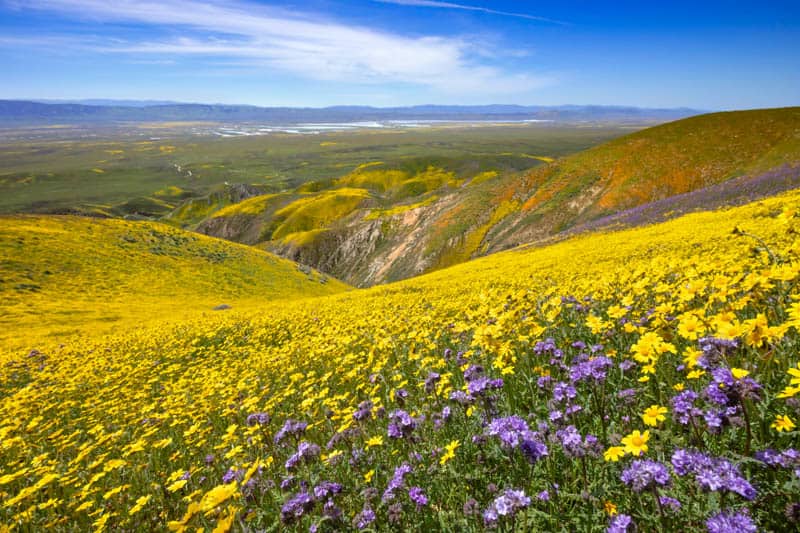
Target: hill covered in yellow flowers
x=450, y=401
x=63, y=275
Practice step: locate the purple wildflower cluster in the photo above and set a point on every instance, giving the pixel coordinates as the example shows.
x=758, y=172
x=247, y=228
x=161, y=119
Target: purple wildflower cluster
x=258, y=419
x=591, y=369
x=364, y=411
x=397, y=482
x=619, y=524
x=514, y=433
x=417, y=495
x=292, y=428
x=507, y=504
x=789, y=458
x=431, y=381
x=712, y=473
x=304, y=501
x=548, y=347
x=401, y=424
x=714, y=351
x=575, y=446
x=644, y=474
x=306, y=452
x=730, y=521
x=683, y=407
x=726, y=390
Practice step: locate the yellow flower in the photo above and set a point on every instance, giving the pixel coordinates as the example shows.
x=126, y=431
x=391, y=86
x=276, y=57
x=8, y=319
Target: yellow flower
x=377, y=440
x=653, y=415
x=783, y=423
x=788, y=392
x=368, y=476
x=140, y=503
x=178, y=485
x=450, y=452
x=679, y=387
x=614, y=453
x=636, y=442
x=739, y=373
x=610, y=508
x=113, y=492
x=795, y=372
x=225, y=523
x=217, y=495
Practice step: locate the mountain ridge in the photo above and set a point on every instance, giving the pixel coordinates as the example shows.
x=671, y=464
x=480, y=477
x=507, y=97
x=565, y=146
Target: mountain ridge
x=33, y=112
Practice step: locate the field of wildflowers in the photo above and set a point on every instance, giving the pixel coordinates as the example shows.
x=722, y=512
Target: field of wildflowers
x=645, y=380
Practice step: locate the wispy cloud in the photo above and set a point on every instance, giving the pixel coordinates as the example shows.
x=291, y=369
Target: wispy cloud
x=302, y=44
x=451, y=5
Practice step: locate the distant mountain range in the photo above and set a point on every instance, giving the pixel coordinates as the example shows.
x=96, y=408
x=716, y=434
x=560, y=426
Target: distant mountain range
x=21, y=112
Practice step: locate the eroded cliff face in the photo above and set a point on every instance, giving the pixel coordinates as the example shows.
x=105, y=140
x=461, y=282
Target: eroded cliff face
x=369, y=252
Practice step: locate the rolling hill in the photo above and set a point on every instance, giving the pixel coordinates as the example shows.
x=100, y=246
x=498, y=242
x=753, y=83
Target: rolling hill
x=407, y=221
x=61, y=275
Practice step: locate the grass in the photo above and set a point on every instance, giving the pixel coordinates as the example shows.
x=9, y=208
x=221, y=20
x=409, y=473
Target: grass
x=55, y=175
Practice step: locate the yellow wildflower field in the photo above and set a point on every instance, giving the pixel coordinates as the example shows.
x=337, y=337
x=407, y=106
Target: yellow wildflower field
x=238, y=420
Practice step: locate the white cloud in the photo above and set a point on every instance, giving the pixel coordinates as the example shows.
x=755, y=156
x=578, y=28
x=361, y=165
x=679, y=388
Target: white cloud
x=463, y=7
x=303, y=45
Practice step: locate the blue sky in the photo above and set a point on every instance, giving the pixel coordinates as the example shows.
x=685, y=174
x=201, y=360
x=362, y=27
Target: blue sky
x=700, y=54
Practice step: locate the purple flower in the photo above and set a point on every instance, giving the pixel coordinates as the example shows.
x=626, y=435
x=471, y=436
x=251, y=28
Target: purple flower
x=683, y=408
x=472, y=372
x=714, y=351
x=533, y=449
x=563, y=391
x=431, y=381
x=511, y=431
x=401, y=424
x=260, y=419
x=418, y=497
x=726, y=390
x=593, y=369
x=397, y=482
x=294, y=508
x=507, y=504
x=231, y=475
x=669, y=503
x=571, y=441
x=400, y=396
x=364, y=518
x=364, y=411
x=332, y=511
x=461, y=397
x=576, y=446
x=731, y=521
x=619, y=524
x=305, y=452
x=481, y=384
x=290, y=427
x=712, y=473
x=326, y=488
x=644, y=473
